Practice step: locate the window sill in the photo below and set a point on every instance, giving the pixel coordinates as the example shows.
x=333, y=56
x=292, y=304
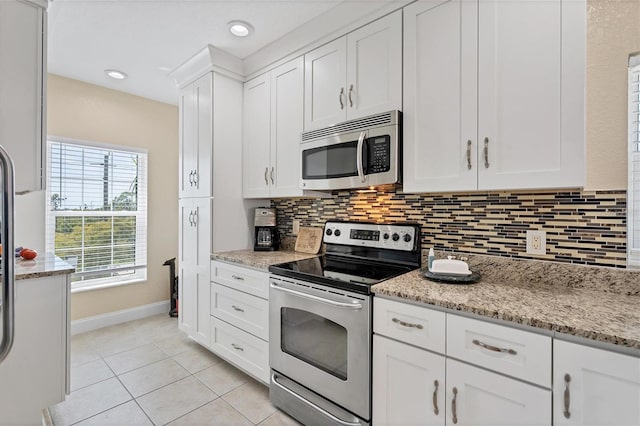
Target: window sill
x=102, y=286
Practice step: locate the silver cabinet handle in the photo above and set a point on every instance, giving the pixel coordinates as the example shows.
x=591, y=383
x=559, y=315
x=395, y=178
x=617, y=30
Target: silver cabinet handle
x=237, y=277
x=271, y=175
x=266, y=172
x=235, y=308
x=567, y=397
x=191, y=218
x=469, y=154
x=195, y=178
x=454, y=411
x=191, y=178
x=486, y=153
x=237, y=347
x=359, y=161
x=493, y=348
x=436, y=411
x=340, y=98
x=350, y=99
x=195, y=217
x=8, y=273
x=407, y=324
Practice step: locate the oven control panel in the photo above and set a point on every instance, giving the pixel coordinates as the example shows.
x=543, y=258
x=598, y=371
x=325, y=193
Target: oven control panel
x=382, y=236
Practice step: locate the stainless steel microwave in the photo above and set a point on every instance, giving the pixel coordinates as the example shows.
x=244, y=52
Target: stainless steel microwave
x=353, y=154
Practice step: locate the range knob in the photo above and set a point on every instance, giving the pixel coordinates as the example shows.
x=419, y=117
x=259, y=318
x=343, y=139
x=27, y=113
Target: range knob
x=386, y=236
x=337, y=233
x=395, y=237
x=328, y=232
x=406, y=238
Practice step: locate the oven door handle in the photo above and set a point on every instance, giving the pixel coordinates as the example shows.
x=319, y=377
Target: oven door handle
x=318, y=299
x=359, y=161
x=311, y=404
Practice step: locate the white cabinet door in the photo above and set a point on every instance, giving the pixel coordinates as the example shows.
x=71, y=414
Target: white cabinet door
x=34, y=374
x=257, y=134
x=194, y=254
x=196, y=127
x=530, y=130
x=21, y=90
x=188, y=151
x=440, y=92
x=287, y=117
x=374, y=67
x=325, y=78
x=408, y=385
x=202, y=94
x=594, y=386
x=479, y=397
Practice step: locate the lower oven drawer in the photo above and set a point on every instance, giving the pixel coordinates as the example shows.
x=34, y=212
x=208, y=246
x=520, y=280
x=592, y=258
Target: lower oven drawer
x=247, y=312
x=240, y=348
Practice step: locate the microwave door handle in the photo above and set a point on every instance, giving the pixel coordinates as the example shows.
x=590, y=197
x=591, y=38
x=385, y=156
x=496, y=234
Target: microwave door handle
x=359, y=157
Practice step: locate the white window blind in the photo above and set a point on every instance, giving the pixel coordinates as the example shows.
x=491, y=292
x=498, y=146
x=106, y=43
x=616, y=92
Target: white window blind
x=97, y=211
x=633, y=193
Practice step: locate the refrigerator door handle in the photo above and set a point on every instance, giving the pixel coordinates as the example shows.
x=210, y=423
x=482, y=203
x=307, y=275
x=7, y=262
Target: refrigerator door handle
x=7, y=297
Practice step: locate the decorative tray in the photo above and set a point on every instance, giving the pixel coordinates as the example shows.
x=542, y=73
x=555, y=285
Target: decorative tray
x=474, y=277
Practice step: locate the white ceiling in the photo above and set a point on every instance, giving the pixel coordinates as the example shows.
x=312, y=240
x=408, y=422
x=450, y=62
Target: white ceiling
x=148, y=38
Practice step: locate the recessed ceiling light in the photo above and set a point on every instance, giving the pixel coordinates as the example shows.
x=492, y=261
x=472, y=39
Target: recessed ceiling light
x=240, y=28
x=115, y=74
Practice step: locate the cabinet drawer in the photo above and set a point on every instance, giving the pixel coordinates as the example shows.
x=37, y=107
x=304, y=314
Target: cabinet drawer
x=243, y=279
x=409, y=323
x=512, y=352
x=247, y=312
x=240, y=348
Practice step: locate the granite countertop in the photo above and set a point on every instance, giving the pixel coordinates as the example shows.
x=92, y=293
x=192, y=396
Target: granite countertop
x=260, y=259
x=45, y=265
x=595, y=303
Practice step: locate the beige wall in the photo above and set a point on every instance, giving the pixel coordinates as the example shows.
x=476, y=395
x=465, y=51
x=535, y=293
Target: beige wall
x=613, y=33
x=84, y=111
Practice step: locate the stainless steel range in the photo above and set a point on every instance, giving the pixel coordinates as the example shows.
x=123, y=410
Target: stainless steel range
x=320, y=316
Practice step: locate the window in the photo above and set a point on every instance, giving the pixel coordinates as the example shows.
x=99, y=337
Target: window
x=97, y=211
x=633, y=193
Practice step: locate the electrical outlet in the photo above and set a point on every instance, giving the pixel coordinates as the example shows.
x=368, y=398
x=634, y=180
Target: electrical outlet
x=536, y=242
x=296, y=226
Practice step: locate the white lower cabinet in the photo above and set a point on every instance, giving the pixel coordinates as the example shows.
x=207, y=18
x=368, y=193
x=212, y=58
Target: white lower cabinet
x=408, y=384
x=239, y=317
x=479, y=397
x=414, y=386
x=595, y=386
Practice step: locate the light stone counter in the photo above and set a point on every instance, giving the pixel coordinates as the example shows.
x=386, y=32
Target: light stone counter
x=259, y=259
x=44, y=265
x=601, y=304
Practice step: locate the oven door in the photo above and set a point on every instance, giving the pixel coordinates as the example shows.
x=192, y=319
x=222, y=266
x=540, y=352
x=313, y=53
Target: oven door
x=351, y=160
x=320, y=337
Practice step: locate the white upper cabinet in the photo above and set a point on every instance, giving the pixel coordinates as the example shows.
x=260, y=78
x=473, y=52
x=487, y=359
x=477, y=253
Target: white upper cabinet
x=287, y=106
x=273, y=119
x=22, y=73
x=594, y=386
x=491, y=102
x=196, y=132
x=356, y=75
x=257, y=133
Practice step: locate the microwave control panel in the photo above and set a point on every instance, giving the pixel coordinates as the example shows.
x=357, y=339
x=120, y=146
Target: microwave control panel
x=379, y=154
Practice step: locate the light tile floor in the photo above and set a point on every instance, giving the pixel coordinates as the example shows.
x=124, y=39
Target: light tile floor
x=147, y=372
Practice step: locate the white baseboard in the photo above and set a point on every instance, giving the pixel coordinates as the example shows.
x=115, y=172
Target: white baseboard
x=117, y=317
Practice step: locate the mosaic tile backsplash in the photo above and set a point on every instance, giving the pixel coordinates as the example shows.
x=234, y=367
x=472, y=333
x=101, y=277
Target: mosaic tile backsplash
x=583, y=227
